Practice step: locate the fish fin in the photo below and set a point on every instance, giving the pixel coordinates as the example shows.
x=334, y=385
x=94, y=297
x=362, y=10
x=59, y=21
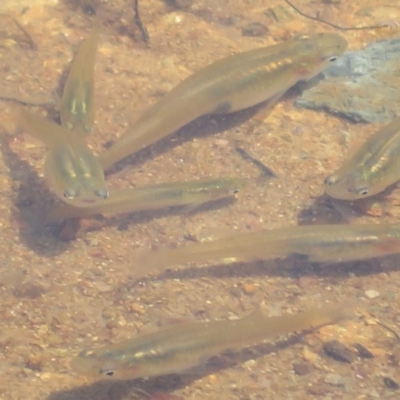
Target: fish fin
x=266, y=107
x=46, y=131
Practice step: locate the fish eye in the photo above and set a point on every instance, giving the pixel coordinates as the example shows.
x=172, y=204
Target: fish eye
x=330, y=180
x=102, y=193
x=363, y=191
x=107, y=372
x=69, y=194
x=332, y=59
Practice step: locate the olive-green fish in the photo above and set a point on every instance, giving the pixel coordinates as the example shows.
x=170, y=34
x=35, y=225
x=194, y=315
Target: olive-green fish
x=320, y=243
x=77, y=108
x=178, y=348
x=231, y=84
x=374, y=167
x=155, y=197
x=72, y=172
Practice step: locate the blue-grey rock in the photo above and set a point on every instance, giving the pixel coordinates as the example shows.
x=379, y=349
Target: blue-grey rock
x=363, y=86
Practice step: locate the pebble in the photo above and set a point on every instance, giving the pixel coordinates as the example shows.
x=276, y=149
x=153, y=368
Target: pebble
x=309, y=355
x=338, y=351
x=319, y=389
x=249, y=288
x=335, y=380
x=137, y=308
x=255, y=29
x=29, y=290
x=363, y=352
x=302, y=368
x=390, y=383
x=371, y=294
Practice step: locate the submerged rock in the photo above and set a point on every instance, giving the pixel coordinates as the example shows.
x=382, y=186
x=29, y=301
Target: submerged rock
x=363, y=86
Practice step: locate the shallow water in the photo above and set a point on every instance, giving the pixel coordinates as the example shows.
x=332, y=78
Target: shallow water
x=60, y=296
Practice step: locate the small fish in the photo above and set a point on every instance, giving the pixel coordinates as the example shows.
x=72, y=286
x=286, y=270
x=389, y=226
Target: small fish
x=77, y=109
x=320, y=243
x=178, y=348
x=72, y=172
x=155, y=197
x=228, y=85
x=374, y=167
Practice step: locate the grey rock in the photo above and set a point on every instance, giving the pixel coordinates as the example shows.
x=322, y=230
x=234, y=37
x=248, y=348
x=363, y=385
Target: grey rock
x=363, y=86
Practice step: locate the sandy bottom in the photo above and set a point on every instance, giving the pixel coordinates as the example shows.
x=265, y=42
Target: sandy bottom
x=60, y=296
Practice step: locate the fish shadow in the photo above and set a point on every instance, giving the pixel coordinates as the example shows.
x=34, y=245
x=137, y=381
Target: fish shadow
x=293, y=267
x=31, y=199
x=204, y=126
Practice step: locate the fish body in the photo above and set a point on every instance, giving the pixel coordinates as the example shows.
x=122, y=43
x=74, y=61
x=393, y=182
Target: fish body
x=77, y=108
x=178, y=348
x=319, y=243
x=155, y=197
x=228, y=85
x=372, y=168
x=72, y=172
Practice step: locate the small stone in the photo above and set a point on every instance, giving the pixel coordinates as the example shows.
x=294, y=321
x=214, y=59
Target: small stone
x=112, y=324
x=255, y=29
x=338, y=351
x=363, y=352
x=302, y=368
x=390, y=383
x=371, y=294
x=335, y=380
x=34, y=362
x=309, y=355
x=137, y=308
x=29, y=289
x=319, y=389
x=249, y=288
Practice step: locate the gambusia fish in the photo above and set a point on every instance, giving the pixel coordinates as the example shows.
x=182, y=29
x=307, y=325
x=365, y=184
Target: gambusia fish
x=228, y=85
x=155, y=196
x=181, y=347
x=320, y=243
x=72, y=172
x=374, y=167
x=77, y=110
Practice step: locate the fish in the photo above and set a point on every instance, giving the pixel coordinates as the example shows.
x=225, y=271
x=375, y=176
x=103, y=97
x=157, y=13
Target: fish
x=373, y=167
x=77, y=106
x=178, y=348
x=319, y=243
x=71, y=170
x=228, y=85
x=155, y=197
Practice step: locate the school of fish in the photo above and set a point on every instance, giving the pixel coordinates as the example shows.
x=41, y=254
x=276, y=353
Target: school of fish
x=264, y=75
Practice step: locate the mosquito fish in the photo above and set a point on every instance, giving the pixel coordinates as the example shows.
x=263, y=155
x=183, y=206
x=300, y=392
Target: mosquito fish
x=155, y=197
x=77, y=103
x=72, y=172
x=228, y=85
x=374, y=167
x=178, y=348
x=320, y=243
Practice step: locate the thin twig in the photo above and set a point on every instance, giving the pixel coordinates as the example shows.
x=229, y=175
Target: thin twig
x=28, y=37
x=138, y=22
x=342, y=28
x=264, y=169
x=26, y=101
x=388, y=328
